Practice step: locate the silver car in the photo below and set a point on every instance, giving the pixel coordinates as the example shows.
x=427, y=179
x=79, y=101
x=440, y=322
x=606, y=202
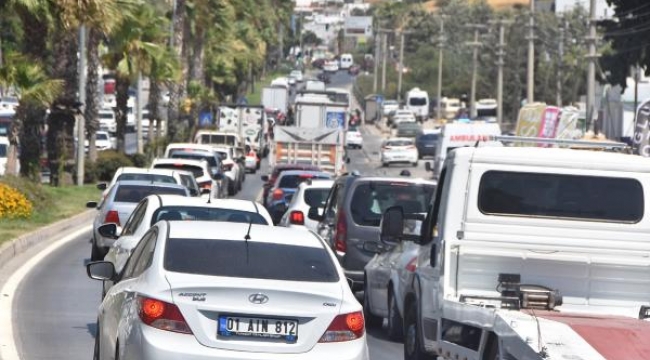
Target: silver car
x=119, y=203
x=387, y=277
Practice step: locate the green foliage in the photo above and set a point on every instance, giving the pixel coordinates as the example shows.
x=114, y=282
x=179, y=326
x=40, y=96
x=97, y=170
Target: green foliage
x=108, y=162
x=139, y=160
x=33, y=191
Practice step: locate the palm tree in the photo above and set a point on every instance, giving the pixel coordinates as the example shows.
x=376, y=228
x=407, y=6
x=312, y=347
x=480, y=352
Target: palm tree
x=164, y=71
x=36, y=92
x=178, y=88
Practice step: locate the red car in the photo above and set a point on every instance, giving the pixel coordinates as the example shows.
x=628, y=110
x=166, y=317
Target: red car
x=269, y=180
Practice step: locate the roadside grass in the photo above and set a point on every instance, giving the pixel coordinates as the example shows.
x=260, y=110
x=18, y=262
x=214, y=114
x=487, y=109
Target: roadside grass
x=63, y=202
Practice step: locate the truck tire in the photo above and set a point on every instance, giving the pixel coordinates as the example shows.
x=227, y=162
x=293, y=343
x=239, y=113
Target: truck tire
x=413, y=349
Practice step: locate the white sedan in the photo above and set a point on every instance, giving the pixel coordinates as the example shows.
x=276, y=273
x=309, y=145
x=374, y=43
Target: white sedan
x=399, y=150
x=211, y=290
x=353, y=138
x=331, y=66
x=103, y=141
x=310, y=194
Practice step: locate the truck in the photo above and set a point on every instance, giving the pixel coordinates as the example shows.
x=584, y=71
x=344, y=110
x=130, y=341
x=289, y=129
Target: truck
x=372, y=109
x=276, y=98
x=318, y=135
x=238, y=126
x=530, y=253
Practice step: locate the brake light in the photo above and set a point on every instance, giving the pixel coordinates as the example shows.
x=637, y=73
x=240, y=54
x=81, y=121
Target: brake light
x=162, y=315
x=412, y=265
x=206, y=185
x=341, y=233
x=297, y=218
x=306, y=176
x=278, y=194
x=345, y=327
x=112, y=217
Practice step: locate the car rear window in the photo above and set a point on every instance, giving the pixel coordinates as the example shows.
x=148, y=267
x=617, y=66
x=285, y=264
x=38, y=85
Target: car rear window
x=133, y=194
x=193, y=213
x=217, y=139
x=429, y=137
x=399, y=143
x=101, y=136
x=316, y=197
x=197, y=171
x=212, y=161
x=370, y=200
x=147, y=177
x=594, y=198
x=252, y=259
x=292, y=181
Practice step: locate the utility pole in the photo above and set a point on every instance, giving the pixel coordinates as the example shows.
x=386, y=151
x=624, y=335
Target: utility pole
x=81, y=129
x=500, y=64
x=385, y=55
x=560, y=64
x=401, y=64
x=441, y=45
x=475, y=45
x=530, y=82
x=591, y=70
x=376, y=63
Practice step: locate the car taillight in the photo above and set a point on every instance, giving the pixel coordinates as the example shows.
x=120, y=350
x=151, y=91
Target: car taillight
x=412, y=265
x=297, y=218
x=206, y=185
x=341, y=233
x=112, y=217
x=278, y=194
x=345, y=327
x=162, y=315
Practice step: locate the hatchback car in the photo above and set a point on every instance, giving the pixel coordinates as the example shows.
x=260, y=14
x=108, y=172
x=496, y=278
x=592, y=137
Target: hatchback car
x=352, y=214
x=426, y=143
x=233, y=169
x=269, y=180
x=128, y=173
x=118, y=205
x=399, y=150
x=213, y=290
x=155, y=208
x=309, y=194
x=408, y=129
x=353, y=138
x=215, y=165
x=209, y=182
x=285, y=186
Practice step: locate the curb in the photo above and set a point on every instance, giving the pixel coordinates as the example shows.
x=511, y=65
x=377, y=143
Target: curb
x=17, y=246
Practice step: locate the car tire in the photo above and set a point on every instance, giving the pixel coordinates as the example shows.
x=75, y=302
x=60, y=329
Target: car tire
x=254, y=171
x=372, y=320
x=231, y=188
x=96, y=347
x=412, y=342
x=96, y=253
x=395, y=327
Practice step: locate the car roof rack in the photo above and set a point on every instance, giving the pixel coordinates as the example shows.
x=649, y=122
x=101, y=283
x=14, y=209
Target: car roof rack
x=612, y=145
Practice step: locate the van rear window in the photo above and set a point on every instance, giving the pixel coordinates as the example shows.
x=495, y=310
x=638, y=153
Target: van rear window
x=591, y=198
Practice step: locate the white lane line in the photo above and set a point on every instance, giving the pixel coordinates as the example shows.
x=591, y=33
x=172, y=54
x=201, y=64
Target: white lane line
x=8, y=349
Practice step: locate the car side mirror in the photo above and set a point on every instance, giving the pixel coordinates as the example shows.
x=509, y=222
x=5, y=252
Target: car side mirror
x=101, y=270
x=427, y=166
x=392, y=225
x=265, y=178
x=315, y=214
x=110, y=230
x=91, y=204
x=102, y=186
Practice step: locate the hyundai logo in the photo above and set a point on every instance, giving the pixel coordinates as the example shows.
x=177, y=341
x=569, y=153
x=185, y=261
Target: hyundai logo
x=258, y=298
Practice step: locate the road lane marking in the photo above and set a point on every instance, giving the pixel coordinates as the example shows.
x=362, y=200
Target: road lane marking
x=8, y=349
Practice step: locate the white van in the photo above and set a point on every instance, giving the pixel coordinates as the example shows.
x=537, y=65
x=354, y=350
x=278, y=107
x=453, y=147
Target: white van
x=4, y=150
x=455, y=135
x=346, y=61
x=449, y=107
x=418, y=102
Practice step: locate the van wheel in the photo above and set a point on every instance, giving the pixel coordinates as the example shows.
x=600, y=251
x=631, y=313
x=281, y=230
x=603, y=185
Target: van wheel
x=395, y=324
x=413, y=349
x=372, y=320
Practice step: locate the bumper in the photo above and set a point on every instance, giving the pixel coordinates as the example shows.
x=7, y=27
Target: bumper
x=427, y=151
x=410, y=158
x=150, y=343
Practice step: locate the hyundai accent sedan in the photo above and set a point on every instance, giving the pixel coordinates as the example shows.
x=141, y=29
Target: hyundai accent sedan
x=211, y=290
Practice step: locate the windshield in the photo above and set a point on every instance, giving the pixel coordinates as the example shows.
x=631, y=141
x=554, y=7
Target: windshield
x=135, y=193
x=370, y=200
x=415, y=101
x=252, y=260
x=106, y=115
x=316, y=197
x=429, y=137
x=193, y=213
x=218, y=139
x=196, y=170
x=212, y=161
x=101, y=136
x=147, y=177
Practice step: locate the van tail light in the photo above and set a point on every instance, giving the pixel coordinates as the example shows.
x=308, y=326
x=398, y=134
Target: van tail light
x=345, y=327
x=112, y=217
x=341, y=234
x=297, y=218
x=412, y=265
x=162, y=315
x=278, y=194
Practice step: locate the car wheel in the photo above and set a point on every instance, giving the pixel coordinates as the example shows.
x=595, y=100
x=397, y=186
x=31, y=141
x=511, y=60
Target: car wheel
x=96, y=349
x=117, y=351
x=372, y=321
x=395, y=323
x=96, y=253
x=231, y=188
x=412, y=345
x=253, y=171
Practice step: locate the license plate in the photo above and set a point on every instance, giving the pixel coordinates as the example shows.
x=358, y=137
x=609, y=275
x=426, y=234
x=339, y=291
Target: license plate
x=258, y=327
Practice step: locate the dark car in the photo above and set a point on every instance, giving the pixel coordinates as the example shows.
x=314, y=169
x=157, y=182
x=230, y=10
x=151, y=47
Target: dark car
x=324, y=77
x=354, y=70
x=408, y=129
x=352, y=215
x=426, y=143
x=318, y=63
x=285, y=186
x=269, y=180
